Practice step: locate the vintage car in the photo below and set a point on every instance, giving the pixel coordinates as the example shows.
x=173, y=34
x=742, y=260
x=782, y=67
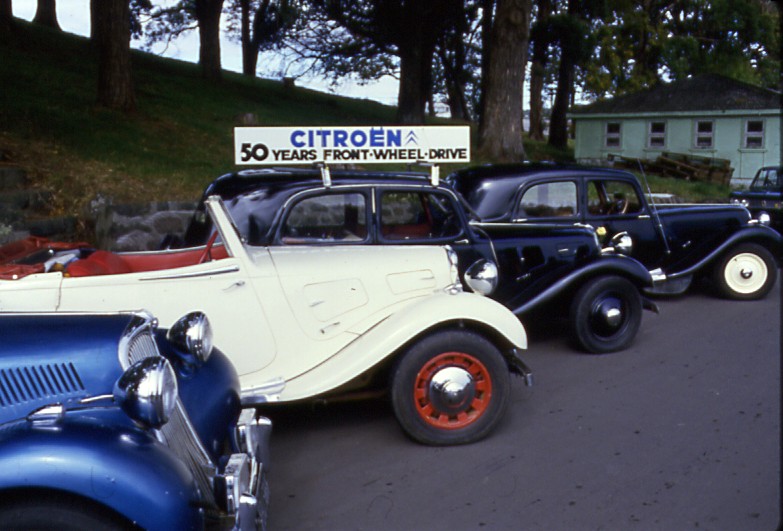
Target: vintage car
x=764, y=197
x=674, y=241
x=109, y=422
x=538, y=272
x=310, y=321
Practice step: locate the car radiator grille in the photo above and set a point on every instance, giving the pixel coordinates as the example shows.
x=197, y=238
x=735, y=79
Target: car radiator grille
x=178, y=433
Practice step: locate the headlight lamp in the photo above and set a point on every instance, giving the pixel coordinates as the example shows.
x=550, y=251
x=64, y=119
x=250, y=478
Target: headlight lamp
x=147, y=391
x=764, y=218
x=482, y=277
x=193, y=334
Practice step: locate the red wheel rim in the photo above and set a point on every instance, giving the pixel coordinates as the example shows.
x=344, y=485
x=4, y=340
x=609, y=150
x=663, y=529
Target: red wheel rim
x=463, y=414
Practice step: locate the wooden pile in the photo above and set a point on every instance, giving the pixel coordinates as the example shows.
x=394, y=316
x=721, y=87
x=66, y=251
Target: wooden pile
x=680, y=166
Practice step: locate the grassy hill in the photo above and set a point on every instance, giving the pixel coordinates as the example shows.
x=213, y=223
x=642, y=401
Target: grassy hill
x=179, y=139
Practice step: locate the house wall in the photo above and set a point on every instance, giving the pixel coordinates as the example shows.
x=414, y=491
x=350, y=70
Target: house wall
x=728, y=134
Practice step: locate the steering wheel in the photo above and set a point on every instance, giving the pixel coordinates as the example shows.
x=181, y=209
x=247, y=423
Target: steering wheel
x=207, y=254
x=618, y=206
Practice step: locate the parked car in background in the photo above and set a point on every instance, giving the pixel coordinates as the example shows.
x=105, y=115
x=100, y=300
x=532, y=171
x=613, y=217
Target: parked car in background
x=540, y=272
x=764, y=196
x=674, y=241
x=108, y=422
x=306, y=320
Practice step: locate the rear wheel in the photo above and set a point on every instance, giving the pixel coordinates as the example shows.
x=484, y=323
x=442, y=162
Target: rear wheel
x=450, y=388
x=747, y=272
x=606, y=314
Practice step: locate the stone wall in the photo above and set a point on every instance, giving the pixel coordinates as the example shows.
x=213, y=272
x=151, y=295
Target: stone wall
x=138, y=227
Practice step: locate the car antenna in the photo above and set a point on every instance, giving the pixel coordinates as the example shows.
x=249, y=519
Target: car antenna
x=654, y=208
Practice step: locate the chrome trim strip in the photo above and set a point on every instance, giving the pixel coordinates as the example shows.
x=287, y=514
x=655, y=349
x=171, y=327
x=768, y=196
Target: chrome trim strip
x=220, y=271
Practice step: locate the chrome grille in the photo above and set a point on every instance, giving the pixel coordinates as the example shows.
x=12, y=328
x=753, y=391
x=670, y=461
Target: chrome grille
x=27, y=384
x=178, y=433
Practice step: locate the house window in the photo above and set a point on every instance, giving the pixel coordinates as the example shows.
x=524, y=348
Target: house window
x=612, y=134
x=704, y=135
x=754, y=134
x=656, y=135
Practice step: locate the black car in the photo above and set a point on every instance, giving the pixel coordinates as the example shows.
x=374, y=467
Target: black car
x=674, y=241
x=764, y=197
x=529, y=268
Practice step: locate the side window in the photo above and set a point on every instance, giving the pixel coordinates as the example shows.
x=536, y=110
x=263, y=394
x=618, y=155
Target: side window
x=329, y=218
x=417, y=216
x=612, y=197
x=548, y=200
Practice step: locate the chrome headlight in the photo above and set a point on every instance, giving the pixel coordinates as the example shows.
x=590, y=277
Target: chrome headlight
x=193, y=334
x=147, y=391
x=764, y=218
x=482, y=277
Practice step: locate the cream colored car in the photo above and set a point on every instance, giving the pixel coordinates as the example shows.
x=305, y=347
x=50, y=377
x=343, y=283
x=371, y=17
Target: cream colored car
x=308, y=321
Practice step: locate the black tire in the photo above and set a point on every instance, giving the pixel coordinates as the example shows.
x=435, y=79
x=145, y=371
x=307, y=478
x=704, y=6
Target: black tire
x=606, y=314
x=47, y=511
x=747, y=272
x=480, y=381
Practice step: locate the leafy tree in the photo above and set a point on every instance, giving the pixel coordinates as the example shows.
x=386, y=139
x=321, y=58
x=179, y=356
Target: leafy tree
x=261, y=25
x=541, y=36
x=112, y=38
x=457, y=69
x=500, y=132
x=167, y=23
x=370, y=37
x=46, y=14
x=576, y=45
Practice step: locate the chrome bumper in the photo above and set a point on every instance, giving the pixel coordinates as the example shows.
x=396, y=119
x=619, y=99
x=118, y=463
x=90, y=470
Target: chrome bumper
x=242, y=487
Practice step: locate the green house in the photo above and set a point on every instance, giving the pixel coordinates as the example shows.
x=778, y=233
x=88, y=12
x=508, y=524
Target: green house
x=708, y=116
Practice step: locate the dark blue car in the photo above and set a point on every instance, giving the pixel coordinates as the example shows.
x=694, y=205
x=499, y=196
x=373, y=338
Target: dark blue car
x=764, y=196
x=108, y=422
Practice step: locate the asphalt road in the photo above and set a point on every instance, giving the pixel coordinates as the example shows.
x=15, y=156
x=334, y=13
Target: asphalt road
x=681, y=431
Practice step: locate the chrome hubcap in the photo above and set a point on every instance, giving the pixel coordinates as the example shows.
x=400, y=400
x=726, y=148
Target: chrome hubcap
x=745, y=273
x=452, y=389
x=607, y=316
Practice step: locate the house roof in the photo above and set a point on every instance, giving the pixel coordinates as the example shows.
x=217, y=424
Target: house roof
x=706, y=92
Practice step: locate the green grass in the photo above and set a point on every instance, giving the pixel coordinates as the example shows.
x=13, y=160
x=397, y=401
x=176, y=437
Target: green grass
x=178, y=140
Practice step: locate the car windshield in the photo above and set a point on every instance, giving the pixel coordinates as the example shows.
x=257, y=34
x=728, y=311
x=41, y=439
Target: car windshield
x=767, y=179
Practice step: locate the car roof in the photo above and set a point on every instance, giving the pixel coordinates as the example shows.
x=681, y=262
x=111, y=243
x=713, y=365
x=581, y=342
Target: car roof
x=239, y=182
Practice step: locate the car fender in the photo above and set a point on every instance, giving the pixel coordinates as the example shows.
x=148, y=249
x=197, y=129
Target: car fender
x=760, y=234
x=122, y=468
x=606, y=264
x=389, y=336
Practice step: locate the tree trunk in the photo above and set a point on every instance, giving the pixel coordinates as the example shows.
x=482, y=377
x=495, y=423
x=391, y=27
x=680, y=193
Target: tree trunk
x=112, y=31
x=6, y=19
x=208, y=17
x=500, y=133
x=487, y=20
x=558, y=124
x=46, y=14
x=537, y=70
x=249, y=46
x=415, y=72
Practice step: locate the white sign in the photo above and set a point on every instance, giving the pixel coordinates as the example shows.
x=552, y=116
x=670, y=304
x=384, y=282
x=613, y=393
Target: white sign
x=351, y=145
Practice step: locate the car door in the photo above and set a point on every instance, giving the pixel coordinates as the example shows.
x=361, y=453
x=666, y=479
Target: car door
x=336, y=284
x=612, y=206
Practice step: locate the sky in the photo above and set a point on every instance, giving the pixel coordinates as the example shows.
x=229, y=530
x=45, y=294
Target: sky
x=74, y=17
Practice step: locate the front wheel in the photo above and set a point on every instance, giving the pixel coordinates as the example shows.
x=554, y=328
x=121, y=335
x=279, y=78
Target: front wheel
x=54, y=511
x=451, y=387
x=606, y=314
x=747, y=272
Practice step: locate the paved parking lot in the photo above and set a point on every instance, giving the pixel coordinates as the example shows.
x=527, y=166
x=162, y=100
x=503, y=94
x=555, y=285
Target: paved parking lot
x=682, y=431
